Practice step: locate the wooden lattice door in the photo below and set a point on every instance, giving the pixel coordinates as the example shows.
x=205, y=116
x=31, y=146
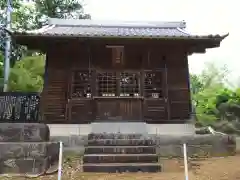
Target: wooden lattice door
x=118, y=96
x=80, y=108
x=155, y=96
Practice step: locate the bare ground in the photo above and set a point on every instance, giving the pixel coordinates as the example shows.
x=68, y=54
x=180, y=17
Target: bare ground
x=212, y=169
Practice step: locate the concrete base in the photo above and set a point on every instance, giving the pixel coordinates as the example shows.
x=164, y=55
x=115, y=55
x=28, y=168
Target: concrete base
x=124, y=128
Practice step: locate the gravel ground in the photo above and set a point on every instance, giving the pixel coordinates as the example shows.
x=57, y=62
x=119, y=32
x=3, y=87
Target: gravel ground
x=212, y=169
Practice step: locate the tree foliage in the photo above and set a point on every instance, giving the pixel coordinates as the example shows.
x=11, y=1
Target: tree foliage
x=1, y=70
x=27, y=74
x=28, y=16
x=21, y=19
x=58, y=9
x=216, y=104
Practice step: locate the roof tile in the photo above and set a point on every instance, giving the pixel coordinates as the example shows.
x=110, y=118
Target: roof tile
x=113, y=32
x=91, y=28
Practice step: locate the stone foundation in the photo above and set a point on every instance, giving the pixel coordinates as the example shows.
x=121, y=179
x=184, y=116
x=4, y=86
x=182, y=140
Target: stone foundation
x=168, y=146
x=123, y=128
x=25, y=150
x=24, y=132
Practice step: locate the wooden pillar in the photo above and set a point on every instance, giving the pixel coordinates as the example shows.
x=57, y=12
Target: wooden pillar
x=166, y=88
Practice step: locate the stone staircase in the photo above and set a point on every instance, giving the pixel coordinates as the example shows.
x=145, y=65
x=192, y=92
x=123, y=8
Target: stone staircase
x=120, y=153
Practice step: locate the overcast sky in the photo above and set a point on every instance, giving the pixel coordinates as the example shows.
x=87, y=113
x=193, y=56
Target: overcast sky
x=202, y=16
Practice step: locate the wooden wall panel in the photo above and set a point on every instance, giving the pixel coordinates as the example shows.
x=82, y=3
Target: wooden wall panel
x=54, y=96
x=130, y=109
x=101, y=57
x=155, y=111
x=118, y=110
x=81, y=112
x=177, y=78
x=133, y=57
x=80, y=57
x=178, y=86
x=107, y=110
x=155, y=58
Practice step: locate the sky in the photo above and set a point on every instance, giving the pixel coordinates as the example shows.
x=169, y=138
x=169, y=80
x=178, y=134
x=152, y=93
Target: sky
x=202, y=17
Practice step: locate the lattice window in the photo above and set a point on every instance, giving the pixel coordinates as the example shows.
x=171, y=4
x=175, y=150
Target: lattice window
x=153, y=84
x=106, y=84
x=81, y=86
x=129, y=84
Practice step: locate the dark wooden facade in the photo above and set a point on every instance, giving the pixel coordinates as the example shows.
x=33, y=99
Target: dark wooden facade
x=87, y=83
x=95, y=74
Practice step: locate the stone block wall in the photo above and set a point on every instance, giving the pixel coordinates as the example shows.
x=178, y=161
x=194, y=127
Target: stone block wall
x=197, y=146
x=24, y=132
x=25, y=150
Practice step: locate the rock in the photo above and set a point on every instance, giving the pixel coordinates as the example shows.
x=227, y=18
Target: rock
x=20, y=166
x=21, y=149
x=24, y=132
x=28, y=158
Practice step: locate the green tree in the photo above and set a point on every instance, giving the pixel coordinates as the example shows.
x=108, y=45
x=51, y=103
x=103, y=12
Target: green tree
x=196, y=84
x=1, y=64
x=28, y=16
x=27, y=74
x=205, y=89
x=216, y=104
x=14, y=3
x=58, y=9
x=21, y=19
x=1, y=70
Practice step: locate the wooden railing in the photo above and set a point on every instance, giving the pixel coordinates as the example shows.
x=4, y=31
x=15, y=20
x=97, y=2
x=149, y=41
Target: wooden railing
x=18, y=107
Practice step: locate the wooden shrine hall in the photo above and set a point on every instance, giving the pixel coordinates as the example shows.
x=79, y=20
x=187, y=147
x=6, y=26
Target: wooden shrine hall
x=116, y=71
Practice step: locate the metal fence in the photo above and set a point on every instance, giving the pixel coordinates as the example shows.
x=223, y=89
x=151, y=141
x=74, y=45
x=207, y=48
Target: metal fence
x=19, y=107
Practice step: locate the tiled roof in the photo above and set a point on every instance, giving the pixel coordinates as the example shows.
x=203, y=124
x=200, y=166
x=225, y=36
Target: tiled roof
x=113, y=31
x=90, y=28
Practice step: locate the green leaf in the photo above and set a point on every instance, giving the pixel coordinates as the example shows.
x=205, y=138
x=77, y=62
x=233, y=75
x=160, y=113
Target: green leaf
x=27, y=75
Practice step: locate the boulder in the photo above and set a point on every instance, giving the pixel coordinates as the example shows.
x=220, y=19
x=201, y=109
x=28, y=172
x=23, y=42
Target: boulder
x=28, y=158
x=24, y=132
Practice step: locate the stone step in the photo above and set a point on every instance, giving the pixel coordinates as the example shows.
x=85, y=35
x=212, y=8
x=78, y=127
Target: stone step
x=120, y=158
x=95, y=136
x=122, y=167
x=121, y=142
x=120, y=150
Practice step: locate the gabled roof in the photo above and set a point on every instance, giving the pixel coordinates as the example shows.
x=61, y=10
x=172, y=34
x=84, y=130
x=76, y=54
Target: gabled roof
x=110, y=29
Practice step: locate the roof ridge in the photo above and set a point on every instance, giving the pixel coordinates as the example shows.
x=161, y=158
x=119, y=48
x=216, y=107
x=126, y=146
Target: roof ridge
x=117, y=24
